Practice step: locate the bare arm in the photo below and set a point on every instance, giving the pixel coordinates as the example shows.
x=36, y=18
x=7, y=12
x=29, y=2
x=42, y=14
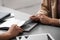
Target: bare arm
x=55, y=22
x=47, y=20
x=4, y=36
x=13, y=31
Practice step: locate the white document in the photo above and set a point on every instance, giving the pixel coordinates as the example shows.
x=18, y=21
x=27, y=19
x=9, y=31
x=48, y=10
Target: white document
x=11, y=21
x=33, y=37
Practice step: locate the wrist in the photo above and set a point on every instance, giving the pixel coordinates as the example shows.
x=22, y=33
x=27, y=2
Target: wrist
x=54, y=22
x=38, y=16
x=8, y=35
x=5, y=36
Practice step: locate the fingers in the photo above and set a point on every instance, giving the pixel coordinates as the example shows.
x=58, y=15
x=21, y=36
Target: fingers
x=19, y=29
x=41, y=17
x=33, y=17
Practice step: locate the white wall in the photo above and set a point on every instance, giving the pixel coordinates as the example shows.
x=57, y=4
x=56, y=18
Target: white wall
x=20, y=3
x=0, y=2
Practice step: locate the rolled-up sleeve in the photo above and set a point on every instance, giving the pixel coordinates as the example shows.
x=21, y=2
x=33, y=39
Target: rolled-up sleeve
x=44, y=8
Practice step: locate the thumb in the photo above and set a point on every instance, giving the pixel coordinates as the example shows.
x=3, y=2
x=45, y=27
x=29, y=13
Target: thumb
x=42, y=16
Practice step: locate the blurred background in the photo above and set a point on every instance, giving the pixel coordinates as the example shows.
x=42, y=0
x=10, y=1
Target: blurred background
x=27, y=6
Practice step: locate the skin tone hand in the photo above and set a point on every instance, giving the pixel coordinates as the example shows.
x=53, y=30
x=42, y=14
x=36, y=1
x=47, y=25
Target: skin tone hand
x=45, y=19
x=41, y=18
x=13, y=31
x=35, y=18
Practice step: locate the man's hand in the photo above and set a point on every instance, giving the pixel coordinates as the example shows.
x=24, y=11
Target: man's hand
x=14, y=30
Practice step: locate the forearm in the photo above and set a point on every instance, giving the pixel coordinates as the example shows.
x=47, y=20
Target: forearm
x=5, y=36
x=55, y=22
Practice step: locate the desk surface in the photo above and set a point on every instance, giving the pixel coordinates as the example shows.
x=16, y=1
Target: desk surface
x=54, y=31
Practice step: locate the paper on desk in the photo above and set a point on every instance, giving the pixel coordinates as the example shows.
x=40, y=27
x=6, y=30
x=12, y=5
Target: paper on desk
x=11, y=21
x=33, y=37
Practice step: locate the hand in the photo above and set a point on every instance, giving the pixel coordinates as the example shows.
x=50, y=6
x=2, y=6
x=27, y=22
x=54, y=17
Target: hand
x=35, y=18
x=14, y=30
x=45, y=19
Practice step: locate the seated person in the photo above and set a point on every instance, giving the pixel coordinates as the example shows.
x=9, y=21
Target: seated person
x=13, y=31
x=49, y=13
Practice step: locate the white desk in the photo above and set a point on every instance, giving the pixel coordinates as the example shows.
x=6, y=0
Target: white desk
x=54, y=31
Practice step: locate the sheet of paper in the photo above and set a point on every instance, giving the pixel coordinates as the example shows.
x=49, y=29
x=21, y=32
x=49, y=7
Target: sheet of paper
x=11, y=21
x=33, y=37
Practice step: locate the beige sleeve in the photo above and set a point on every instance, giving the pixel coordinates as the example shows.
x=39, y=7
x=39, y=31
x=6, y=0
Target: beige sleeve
x=43, y=9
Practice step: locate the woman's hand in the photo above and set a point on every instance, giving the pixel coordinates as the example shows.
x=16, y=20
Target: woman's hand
x=45, y=19
x=35, y=18
x=41, y=18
